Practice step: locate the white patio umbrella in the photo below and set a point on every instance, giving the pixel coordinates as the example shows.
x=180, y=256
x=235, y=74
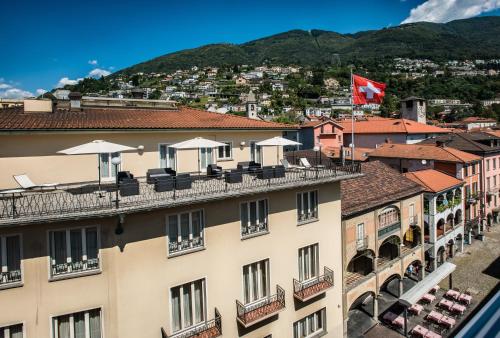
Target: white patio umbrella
x=96, y=147
x=197, y=143
x=278, y=141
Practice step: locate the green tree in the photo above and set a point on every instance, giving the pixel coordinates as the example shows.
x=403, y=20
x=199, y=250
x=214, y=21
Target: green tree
x=389, y=105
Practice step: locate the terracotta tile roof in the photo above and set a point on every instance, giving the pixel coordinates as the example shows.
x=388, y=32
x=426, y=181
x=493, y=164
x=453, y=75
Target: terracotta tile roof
x=433, y=180
x=310, y=124
x=423, y=152
x=129, y=118
x=473, y=119
x=467, y=141
x=360, y=154
x=391, y=126
x=379, y=186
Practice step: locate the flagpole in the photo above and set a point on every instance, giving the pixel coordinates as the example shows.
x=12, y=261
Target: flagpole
x=352, y=119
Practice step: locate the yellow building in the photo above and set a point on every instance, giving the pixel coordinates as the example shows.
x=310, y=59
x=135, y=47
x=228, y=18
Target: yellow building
x=240, y=254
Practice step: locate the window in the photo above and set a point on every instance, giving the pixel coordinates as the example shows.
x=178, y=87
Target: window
x=188, y=305
x=12, y=331
x=388, y=217
x=255, y=152
x=308, y=262
x=474, y=187
x=494, y=163
x=360, y=233
x=10, y=260
x=488, y=185
x=473, y=169
x=167, y=156
x=225, y=152
x=74, y=250
x=494, y=181
x=310, y=326
x=307, y=206
x=185, y=231
x=256, y=281
x=254, y=217
x=488, y=165
x=108, y=169
x=206, y=158
x=85, y=324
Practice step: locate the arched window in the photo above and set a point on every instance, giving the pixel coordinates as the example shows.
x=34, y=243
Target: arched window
x=388, y=216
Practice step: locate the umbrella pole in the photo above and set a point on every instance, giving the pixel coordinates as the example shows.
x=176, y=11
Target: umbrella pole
x=99, y=170
x=277, y=155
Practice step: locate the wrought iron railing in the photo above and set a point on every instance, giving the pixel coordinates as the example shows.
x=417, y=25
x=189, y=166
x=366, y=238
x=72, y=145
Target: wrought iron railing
x=75, y=267
x=249, y=230
x=389, y=229
x=208, y=329
x=309, y=215
x=185, y=244
x=79, y=201
x=306, y=289
x=362, y=243
x=248, y=314
x=8, y=277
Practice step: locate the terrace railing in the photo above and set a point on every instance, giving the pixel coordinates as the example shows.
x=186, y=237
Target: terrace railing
x=9, y=277
x=305, y=290
x=79, y=201
x=208, y=329
x=75, y=267
x=249, y=314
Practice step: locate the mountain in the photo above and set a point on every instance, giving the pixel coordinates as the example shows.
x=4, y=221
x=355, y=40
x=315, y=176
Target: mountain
x=460, y=39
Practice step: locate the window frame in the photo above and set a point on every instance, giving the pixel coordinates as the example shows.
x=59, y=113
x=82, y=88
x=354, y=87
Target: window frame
x=179, y=229
x=52, y=318
x=314, y=258
x=3, y=239
x=8, y=326
x=110, y=177
x=75, y=274
x=297, y=325
x=266, y=216
x=205, y=302
x=225, y=158
x=253, y=154
x=167, y=145
x=267, y=265
x=301, y=194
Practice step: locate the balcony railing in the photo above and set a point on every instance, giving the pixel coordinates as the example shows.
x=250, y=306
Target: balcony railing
x=253, y=229
x=185, y=245
x=308, y=289
x=308, y=215
x=382, y=232
x=362, y=243
x=252, y=313
x=9, y=277
x=84, y=200
x=75, y=267
x=413, y=220
x=209, y=329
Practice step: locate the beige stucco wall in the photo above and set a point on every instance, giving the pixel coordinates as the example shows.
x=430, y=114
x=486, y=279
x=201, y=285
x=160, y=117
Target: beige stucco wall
x=133, y=288
x=36, y=153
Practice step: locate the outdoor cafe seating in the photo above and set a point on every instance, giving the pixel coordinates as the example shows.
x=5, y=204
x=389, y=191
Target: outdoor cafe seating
x=250, y=167
x=152, y=174
x=452, y=294
x=393, y=319
x=428, y=298
x=214, y=171
x=420, y=331
x=465, y=298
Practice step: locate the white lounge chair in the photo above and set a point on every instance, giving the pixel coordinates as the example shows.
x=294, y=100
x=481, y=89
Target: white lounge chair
x=305, y=163
x=287, y=164
x=26, y=183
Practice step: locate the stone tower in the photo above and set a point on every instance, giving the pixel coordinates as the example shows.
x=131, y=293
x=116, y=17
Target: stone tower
x=252, y=106
x=414, y=108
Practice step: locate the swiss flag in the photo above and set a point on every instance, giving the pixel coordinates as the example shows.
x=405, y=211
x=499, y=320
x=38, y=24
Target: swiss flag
x=367, y=91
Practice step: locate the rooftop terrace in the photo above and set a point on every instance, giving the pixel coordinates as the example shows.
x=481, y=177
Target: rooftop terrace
x=85, y=200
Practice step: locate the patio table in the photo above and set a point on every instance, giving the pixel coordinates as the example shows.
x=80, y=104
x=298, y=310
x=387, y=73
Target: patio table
x=452, y=294
x=419, y=331
x=416, y=308
x=465, y=298
x=435, y=316
x=429, y=298
x=432, y=334
x=445, y=303
x=458, y=308
x=447, y=321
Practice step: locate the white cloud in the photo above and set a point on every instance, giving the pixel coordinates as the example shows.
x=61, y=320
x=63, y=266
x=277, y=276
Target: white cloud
x=93, y=62
x=67, y=81
x=8, y=91
x=40, y=91
x=448, y=10
x=4, y=85
x=98, y=72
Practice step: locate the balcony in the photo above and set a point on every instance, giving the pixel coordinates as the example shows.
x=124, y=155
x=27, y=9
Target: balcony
x=75, y=267
x=80, y=201
x=387, y=230
x=185, y=245
x=209, y=329
x=10, y=277
x=252, y=313
x=253, y=229
x=362, y=243
x=308, y=289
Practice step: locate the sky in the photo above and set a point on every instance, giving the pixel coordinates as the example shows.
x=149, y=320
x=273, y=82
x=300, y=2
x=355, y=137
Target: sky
x=46, y=44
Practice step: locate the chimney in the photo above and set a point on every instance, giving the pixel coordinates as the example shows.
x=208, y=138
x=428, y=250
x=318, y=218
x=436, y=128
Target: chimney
x=75, y=99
